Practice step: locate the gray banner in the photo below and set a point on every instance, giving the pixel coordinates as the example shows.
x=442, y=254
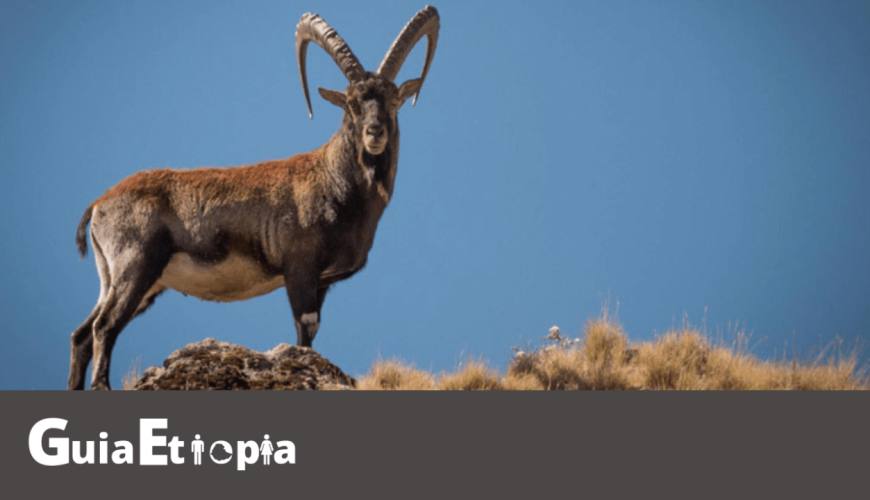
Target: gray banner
x=409, y=445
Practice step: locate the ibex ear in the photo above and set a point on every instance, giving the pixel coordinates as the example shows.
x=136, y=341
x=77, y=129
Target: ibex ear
x=335, y=97
x=408, y=89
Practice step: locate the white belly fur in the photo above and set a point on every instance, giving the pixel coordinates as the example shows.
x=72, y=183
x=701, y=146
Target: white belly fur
x=234, y=278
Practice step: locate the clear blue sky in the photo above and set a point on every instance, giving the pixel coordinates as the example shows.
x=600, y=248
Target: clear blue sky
x=679, y=158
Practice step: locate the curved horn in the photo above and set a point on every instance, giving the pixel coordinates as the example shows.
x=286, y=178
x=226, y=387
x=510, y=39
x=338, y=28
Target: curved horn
x=426, y=22
x=312, y=28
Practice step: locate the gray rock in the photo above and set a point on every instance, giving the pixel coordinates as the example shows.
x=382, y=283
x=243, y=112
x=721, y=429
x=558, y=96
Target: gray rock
x=209, y=365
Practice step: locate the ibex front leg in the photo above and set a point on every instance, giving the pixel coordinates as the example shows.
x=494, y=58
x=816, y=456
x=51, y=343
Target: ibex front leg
x=306, y=299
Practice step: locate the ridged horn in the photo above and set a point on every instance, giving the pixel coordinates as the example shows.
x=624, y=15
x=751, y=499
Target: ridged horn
x=312, y=28
x=426, y=22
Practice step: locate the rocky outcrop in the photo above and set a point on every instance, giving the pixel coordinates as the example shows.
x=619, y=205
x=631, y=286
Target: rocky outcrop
x=210, y=364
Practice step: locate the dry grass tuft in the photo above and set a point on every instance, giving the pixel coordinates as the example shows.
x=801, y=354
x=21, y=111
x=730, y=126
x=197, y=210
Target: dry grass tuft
x=132, y=376
x=678, y=360
x=473, y=376
x=686, y=360
x=521, y=382
x=394, y=375
x=606, y=355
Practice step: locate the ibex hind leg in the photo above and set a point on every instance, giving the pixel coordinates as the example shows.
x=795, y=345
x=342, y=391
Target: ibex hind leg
x=118, y=310
x=82, y=341
x=128, y=296
x=81, y=351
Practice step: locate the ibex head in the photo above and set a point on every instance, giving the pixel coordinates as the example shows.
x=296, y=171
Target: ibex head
x=371, y=100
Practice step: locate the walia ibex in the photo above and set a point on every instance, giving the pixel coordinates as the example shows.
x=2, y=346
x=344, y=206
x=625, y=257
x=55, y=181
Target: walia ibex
x=227, y=234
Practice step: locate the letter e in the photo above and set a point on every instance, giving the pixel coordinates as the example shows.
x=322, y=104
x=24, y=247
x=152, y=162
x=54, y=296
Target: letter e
x=147, y=441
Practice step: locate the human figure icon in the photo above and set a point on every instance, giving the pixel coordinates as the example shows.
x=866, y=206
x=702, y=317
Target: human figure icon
x=198, y=447
x=266, y=449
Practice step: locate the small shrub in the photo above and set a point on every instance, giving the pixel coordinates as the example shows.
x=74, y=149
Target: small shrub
x=597, y=362
x=556, y=365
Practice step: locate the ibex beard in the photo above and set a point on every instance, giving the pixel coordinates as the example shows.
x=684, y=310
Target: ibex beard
x=228, y=234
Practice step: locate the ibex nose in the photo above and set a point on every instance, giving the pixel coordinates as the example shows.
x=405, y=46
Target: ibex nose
x=376, y=131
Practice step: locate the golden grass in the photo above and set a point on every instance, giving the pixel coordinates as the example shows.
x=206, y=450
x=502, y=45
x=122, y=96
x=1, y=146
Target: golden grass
x=132, y=375
x=394, y=375
x=680, y=359
x=471, y=376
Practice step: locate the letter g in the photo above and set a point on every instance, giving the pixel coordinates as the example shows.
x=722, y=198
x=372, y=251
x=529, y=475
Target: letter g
x=60, y=444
